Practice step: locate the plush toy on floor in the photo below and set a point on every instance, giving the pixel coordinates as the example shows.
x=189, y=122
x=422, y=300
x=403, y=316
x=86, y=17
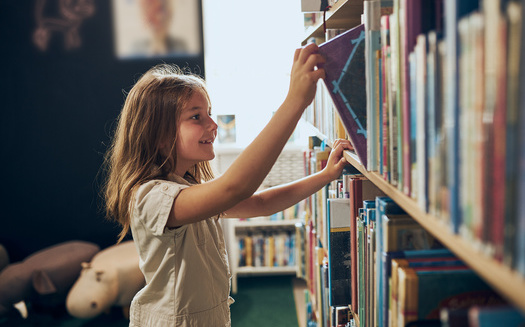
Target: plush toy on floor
x=112, y=278
x=45, y=277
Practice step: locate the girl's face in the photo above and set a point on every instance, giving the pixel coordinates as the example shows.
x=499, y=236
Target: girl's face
x=197, y=132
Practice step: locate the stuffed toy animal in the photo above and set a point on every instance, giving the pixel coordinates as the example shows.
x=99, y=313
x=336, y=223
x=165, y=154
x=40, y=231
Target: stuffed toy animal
x=111, y=279
x=45, y=277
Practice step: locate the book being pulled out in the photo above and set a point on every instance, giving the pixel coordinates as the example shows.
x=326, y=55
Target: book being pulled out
x=345, y=80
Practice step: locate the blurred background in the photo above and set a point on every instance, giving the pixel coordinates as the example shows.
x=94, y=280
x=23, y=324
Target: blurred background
x=67, y=65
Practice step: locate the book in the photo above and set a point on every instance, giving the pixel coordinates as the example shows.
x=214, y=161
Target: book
x=494, y=315
x=402, y=232
x=418, y=18
x=386, y=79
x=361, y=189
x=520, y=188
x=384, y=205
x=403, y=237
x=432, y=120
x=454, y=317
x=345, y=81
x=420, y=186
x=423, y=292
x=394, y=108
x=414, y=262
x=505, y=234
x=454, y=11
x=372, y=12
x=361, y=265
x=503, y=133
x=339, y=259
x=371, y=262
x=386, y=264
x=412, y=125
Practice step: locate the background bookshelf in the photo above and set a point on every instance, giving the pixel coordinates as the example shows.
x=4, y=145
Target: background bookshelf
x=288, y=167
x=281, y=259
x=506, y=279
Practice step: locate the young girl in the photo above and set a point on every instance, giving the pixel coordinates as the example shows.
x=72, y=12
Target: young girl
x=160, y=186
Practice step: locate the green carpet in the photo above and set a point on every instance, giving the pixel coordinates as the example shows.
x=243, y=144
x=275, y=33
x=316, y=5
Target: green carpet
x=260, y=301
x=264, y=301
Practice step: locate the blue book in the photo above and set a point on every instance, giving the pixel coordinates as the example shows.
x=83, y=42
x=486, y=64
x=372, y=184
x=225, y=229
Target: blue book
x=384, y=205
x=454, y=10
x=495, y=316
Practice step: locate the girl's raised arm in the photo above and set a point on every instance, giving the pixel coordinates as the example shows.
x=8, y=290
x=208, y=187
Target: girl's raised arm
x=248, y=171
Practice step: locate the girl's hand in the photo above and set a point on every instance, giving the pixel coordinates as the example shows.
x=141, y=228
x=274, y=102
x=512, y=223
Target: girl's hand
x=336, y=161
x=304, y=76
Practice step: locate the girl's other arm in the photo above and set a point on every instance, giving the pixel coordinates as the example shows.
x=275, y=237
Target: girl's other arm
x=275, y=199
x=248, y=171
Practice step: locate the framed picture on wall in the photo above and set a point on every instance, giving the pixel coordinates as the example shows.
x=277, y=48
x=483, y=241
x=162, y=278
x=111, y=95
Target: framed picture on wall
x=226, y=129
x=157, y=28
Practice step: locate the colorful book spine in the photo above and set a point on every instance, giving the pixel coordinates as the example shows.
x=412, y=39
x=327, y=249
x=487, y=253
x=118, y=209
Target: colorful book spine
x=361, y=189
x=339, y=263
x=384, y=205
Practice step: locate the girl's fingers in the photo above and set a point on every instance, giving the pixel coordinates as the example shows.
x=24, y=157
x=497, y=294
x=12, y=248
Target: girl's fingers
x=296, y=54
x=317, y=74
x=307, y=51
x=314, y=60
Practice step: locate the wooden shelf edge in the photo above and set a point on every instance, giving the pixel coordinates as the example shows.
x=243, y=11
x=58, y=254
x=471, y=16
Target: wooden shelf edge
x=266, y=223
x=332, y=14
x=509, y=283
x=266, y=270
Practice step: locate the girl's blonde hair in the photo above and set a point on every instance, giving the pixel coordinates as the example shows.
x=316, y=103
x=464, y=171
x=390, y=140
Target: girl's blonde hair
x=149, y=118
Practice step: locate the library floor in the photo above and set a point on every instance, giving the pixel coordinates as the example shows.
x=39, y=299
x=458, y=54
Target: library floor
x=260, y=301
x=269, y=301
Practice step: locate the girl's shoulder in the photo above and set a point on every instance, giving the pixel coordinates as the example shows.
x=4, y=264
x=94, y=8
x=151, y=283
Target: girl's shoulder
x=159, y=187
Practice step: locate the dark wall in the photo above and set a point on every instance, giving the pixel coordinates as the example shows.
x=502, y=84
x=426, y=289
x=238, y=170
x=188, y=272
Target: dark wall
x=58, y=110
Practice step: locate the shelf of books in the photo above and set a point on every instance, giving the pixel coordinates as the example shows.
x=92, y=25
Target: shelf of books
x=428, y=222
x=267, y=245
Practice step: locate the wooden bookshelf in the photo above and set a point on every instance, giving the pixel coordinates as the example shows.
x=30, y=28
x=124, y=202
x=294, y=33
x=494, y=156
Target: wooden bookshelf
x=509, y=283
x=344, y=14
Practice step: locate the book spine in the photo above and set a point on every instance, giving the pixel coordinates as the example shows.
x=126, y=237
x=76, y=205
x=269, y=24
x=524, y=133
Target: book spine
x=520, y=187
x=421, y=185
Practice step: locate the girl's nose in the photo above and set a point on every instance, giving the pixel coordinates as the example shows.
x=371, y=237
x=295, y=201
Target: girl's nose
x=212, y=124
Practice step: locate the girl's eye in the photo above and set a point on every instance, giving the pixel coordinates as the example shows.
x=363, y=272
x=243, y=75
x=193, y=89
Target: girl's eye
x=196, y=117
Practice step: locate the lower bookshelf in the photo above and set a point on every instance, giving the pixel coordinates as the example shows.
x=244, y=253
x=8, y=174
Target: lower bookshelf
x=239, y=229
x=508, y=282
